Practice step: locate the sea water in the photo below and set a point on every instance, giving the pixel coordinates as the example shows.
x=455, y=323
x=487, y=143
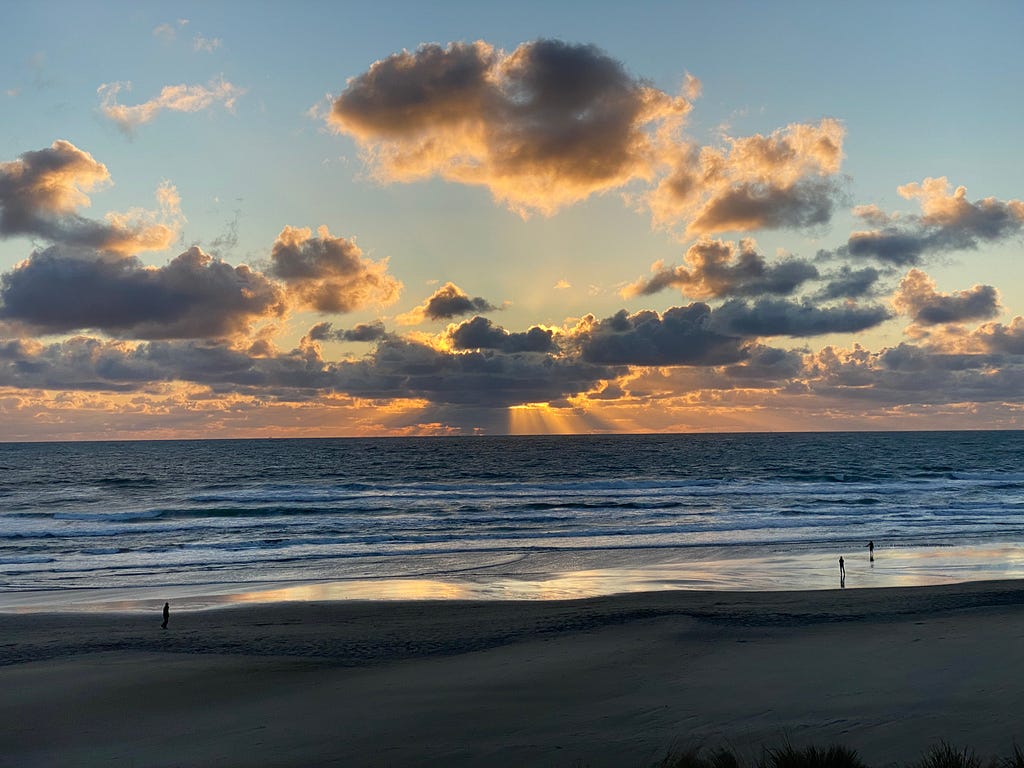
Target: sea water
x=99, y=524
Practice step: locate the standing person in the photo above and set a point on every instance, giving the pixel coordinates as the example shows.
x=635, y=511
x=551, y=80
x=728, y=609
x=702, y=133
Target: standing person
x=871, y=551
x=842, y=569
x=167, y=615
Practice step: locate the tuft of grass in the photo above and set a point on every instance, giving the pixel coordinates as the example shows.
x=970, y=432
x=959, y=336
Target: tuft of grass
x=1016, y=760
x=834, y=756
x=693, y=758
x=943, y=755
x=947, y=756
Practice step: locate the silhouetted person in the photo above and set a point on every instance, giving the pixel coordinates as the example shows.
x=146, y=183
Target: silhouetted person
x=167, y=615
x=871, y=551
x=842, y=569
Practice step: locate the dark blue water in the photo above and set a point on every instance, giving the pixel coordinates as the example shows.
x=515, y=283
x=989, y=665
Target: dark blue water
x=133, y=514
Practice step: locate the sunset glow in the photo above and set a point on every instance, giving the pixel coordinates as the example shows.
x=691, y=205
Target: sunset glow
x=488, y=221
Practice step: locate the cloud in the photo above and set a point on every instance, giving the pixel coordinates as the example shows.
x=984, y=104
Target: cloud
x=1002, y=339
x=542, y=127
x=679, y=336
x=447, y=302
x=908, y=374
x=481, y=333
x=403, y=368
x=176, y=98
x=948, y=222
x=786, y=179
x=168, y=31
x=918, y=298
x=716, y=268
x=847, y=283
x=207, y=44
x=397, y=369
x=361, y=332
x=763, y=368
x=194, y=296
x=330, y=274
x=779, y=317
x=42, y=190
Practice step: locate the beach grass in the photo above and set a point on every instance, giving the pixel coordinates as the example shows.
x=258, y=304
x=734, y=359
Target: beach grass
x=942, y=755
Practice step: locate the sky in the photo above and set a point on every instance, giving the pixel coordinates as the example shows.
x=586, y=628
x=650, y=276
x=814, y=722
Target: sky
x=345, y=219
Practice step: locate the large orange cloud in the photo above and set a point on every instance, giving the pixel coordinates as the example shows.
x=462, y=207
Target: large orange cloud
x=547, y=125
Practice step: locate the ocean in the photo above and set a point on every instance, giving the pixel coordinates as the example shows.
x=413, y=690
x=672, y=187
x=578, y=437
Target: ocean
x=128, y=524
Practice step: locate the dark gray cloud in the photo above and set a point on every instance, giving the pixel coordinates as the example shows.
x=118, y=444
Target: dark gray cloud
x=403, y=368
x=84, y=363
x=396, y=369
x=480, y=333
x=848, y=283
x=908, y=374
x=765, y=367
x=948, y=222
x=918, y=298
x=778, y=317
x=41, y=191
x=890, y=245
x=330, y=274
x=362, y=332
x=679, y=336
x=716, y=268
x=194, y=296
x=750, y=206
x=446, y=303
x=547, y=125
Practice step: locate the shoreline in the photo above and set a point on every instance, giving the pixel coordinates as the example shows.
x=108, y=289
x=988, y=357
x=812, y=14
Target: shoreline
x=542, y=576
x=608, y=681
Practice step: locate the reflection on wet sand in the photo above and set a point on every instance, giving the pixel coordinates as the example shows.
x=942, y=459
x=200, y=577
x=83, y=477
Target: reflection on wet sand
x=549, y=576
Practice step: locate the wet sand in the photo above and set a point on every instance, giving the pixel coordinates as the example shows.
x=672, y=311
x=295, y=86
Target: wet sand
x=612, y=681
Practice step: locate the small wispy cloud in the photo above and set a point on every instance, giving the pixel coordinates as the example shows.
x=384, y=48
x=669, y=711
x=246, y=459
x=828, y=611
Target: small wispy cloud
x=176, y=98
x=169, y=30
x=207, y=44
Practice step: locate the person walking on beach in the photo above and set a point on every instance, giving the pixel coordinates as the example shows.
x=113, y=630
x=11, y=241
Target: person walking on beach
x=842, y=569
x=871, y=551
x=167, y=615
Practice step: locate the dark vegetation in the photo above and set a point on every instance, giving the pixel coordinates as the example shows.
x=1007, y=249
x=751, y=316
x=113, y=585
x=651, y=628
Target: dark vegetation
x=942, y=756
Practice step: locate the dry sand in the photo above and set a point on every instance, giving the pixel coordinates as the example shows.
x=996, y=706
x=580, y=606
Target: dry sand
x=614, y=681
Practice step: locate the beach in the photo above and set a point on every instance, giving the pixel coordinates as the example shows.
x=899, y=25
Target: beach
x=610, y=681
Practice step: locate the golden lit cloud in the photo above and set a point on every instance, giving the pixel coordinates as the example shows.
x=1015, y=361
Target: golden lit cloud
x=330, y=274
x=544, y=126
x=175, y=98
x=42, y=191
x=785, y=179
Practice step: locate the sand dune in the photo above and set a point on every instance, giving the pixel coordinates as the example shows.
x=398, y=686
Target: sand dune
x=613, y=681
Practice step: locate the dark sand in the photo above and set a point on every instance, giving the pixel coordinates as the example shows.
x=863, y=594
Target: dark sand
x=614, y=681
